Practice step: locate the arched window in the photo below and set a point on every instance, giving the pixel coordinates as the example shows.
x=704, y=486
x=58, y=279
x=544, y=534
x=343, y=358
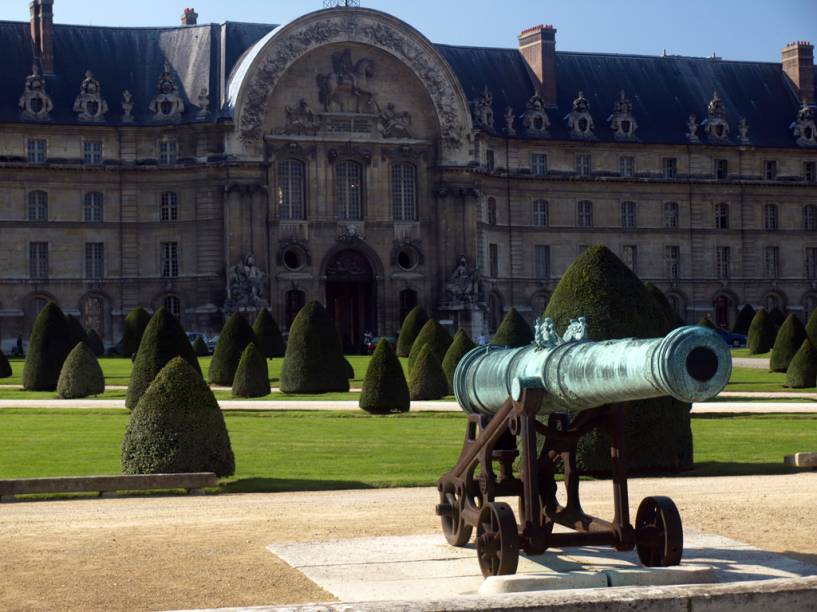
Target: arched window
x=491, y=211
x=173, y=305
x=37, y=206
x=295, y=300
x=291, y=189
x=722, y=216
x=404, y=192
x=671, y=214
x=349, y=190
x=92, y=212
x=770, y=217
x=540, y=213
x=170, y=206
x=628, y=215
x=408, y=300
x=585, y=213
x=810, y=217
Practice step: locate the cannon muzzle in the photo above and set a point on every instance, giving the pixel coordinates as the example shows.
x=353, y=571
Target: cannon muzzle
x=690, y=364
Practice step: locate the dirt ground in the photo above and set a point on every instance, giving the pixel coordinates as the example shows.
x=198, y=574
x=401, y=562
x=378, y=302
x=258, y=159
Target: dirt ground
x=154, y=553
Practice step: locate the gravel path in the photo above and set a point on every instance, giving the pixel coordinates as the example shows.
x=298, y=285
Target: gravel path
x=758, y=363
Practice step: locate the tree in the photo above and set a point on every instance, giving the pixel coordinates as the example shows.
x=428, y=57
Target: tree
x=313, y=362
x=268, y=335
x=513, y=331
x=95, y=342
x=434, y=334
x=427, y=380
x=462, y=344
x=81, y=375
x=706, y=322
x=666, y=307
x=234, y=338
x=788, y=342
x=599, y=286
x=177, y=426
x=802, y=372
x=48, y=347
x=761, y=334
x=412, y=325
x=384, y=387
x=777, y=317
x=251, y=377
x=5, y=366
x=76, y=333
x=811, y=327
x=163, y=340
x=135, y=324
x=744, y=319
x=200, y=347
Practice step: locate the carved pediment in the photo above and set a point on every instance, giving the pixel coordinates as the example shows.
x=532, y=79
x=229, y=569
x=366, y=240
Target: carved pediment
x=35, y=102
x=167, y=105
x=622, y=121
x=579, y=120
x=90, y=104
x=804, y=127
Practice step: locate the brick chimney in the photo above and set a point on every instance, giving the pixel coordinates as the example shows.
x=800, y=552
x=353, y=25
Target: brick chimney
x=538, y=46
x=190, y=17
x=798, y=64
x=42, y=33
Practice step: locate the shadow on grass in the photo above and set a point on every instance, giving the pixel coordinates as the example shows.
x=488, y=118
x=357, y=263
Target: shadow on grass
x=733, y=468
x=275, y=485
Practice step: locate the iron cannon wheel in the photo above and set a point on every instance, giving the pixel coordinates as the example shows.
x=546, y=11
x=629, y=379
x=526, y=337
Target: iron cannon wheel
x=457, y=532
x=659, y=534
x=497, y=540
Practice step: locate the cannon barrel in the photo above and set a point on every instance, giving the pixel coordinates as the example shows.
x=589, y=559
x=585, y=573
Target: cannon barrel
x=691, y=364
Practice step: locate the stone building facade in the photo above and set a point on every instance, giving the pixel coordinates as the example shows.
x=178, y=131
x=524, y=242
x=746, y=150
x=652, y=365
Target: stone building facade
x=344, y=157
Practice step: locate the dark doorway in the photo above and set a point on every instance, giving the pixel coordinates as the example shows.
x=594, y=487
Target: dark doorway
x=408, y=300
x=350, y=298
x=723, y=306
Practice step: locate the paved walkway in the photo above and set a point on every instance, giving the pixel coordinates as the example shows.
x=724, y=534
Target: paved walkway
x=758, y=363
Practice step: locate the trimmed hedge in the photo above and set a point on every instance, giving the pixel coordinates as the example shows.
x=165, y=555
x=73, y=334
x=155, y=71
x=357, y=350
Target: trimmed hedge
x=163, y=340
x=434, y=334
x=384, y=387
x=761, y=334
x=268, y=335
x=462, y=344
x=252, y=377
x=666, y=307
x=802, y=372
x=513, y=331
x=777, y=317
x=234, y=338
x=200, y=347
x=177, y=426
x=81, y=375
x=427, y=380
x=95, y=342
x=811, y=326
x=135, y=325
x=5, y=366
x=599, y=286
x=412, y=325
x=788, y=342
x=48, y=347
x=744, y=320
x=348, y=368
x=76, y=333
x=706, y=322
x=313, y=362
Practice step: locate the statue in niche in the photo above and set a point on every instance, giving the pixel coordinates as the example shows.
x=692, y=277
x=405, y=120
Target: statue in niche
x=692, y=129
x=341, y=90
x=394, y=124
x=246, y=284
x=301, y=120
x=168, y=104
x=127, y=107
x=35, y=102
x=90, y=104
x=463, y=284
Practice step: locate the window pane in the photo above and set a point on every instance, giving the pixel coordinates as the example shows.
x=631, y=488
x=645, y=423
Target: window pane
x=540, y=213
x=291, y=189
x=348, y=190
x=542, y=261
x=404, y=192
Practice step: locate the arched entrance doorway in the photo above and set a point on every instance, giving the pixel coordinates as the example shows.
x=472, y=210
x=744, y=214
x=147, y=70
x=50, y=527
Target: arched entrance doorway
x=723, y=309
x=350, y=297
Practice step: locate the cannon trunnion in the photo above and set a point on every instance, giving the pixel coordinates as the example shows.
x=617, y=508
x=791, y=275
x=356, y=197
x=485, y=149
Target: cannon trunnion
x=569, y=381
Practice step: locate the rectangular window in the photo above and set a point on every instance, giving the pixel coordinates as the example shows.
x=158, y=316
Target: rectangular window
x=722, y=256
x=770, y=169
x=671, y=214
x=403, y=192
x=540, y=213
x=585, y=213
x=722, y=216
x=168, y=150
x=772, y=262
x=626, y=166
x=489, y=159
x=94, y=260
x=583, y=164
x=36, y=149
x=770, y=217
x=811, y=263
x=672, y=261
x=629, y=254
x=170, y=259
x=92, y=152
x=721, y=169
x=810, y=172
x=291, y=187
x=38, y=259
x=38, y=206
x=628, y=215
x=541, y=258
x=538, y=164
x=493, y=256
x=349, y=190
x=669, y=166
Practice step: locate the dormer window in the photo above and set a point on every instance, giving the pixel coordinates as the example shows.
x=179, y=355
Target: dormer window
x=805, y=128
x=579, y=121
x=622, y=121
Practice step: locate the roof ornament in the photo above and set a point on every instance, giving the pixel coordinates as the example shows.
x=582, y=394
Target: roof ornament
x=35, y=102
x=204, y=104
x=804, y=127
x=509, y=119
x=127, y=107
x=483, y=111
x=90, y=104
x=535, y=120
x=692, y=129
x=743, y=130
x=579, y=121
x=622, y=121
x=715, y=125
x=167, y=105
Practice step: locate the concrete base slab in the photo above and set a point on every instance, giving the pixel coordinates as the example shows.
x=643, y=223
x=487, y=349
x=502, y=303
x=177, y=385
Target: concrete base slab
x=802, y=460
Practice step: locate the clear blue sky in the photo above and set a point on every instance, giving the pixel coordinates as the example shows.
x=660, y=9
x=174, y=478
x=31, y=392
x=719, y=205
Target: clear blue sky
x=734, y=29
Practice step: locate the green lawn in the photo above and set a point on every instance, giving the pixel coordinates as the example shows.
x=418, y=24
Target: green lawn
x=744, y=352
x=755, y=379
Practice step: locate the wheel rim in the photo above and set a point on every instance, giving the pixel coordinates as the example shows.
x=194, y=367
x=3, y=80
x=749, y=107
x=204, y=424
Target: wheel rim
x=497, y=540
x=659, y=532
x=456, y=532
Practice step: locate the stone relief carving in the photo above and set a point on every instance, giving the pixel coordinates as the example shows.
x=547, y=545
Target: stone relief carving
x=204, y=103
x=692, y=129
x=482, y=110
x=342, y=89
x=349, y=265
x=90, y=104
x=350, y=234
x=35, y=102
x=579, y=121
x=167, y=105
x=245, y=285
x=301, y=120
x=545, y=335
x=743, y=130
x=127, y=107
x=293, y=242
x=462, y=287
x=715, y=125
x=804, y=127
x=394, y=124
x=403, y=152
x=622, y=121
x=509, y=119
x=348, y=150
x=535, y=120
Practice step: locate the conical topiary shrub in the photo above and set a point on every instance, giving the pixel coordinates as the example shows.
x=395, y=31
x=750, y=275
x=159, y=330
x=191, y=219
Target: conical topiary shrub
x=177, y=426
x=412, y=325
x=163, y=340
x=513, y=331
x=761, y=334
x=251, y=378
x=200, y=347
x=94, y=342
x=384, y=387
x=811, y=327
x=348, y=368
x=744, y=320
x=48, y=347
x=788, y=342
x=434, y=334
x=313, y=362
x=76, y=333
x=5, y=366
x=706, y=322
x=234, y=338
x=666, y=307
x=268, y=335
x=777, y=317
x=427, y=380
x=81, y=375
x=599, y=286
x=135, y=325
x=802, y=372
x=461, y=345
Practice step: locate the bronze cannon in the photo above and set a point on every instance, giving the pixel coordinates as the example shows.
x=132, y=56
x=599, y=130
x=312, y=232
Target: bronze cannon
x=569, y=383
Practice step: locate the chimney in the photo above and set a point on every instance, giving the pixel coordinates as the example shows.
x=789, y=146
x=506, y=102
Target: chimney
x=538, y=46
x=798, y=64
x=190, y=17
x=42, y=33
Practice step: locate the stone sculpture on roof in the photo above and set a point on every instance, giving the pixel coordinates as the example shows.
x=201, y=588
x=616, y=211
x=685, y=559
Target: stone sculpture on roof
x=482, y=109
x=90, y=104
x=622, y=121
x=715, y=125
x=35, y=102
x=535, y=120
x=743, y=130
x=509, y=119
x=342, y=89
x=579, y=120
x=804, y=127
x=127, y=107
x=167, y=105
x=692, y=129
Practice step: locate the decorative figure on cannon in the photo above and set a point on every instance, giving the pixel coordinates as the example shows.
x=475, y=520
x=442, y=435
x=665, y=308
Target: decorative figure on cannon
x=570, y=380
